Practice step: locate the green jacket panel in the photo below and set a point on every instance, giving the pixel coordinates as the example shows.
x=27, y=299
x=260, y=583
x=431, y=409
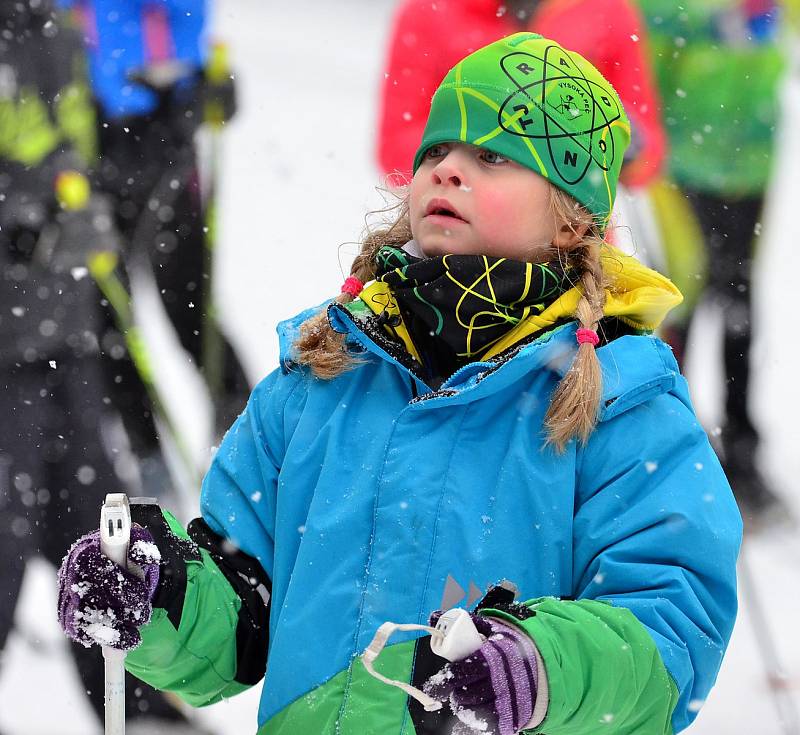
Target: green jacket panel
x=720, y=96
x=604, y=671
x=370, y=707
x=75, y=113
x=27, y=134
x=197, y=661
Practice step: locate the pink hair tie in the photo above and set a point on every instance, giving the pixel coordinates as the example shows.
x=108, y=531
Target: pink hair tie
x=587, y=336
x=352, y=286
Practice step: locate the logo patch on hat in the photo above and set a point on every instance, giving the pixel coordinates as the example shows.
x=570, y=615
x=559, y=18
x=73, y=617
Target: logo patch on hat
x=576, y=113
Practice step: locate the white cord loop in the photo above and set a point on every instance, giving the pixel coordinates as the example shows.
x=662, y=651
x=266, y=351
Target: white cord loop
x=374, y=649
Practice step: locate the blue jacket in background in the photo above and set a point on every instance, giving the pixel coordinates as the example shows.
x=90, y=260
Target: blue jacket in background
x=117, y=44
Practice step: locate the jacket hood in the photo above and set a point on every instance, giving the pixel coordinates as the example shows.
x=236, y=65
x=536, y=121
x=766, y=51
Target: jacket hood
x=635, y=294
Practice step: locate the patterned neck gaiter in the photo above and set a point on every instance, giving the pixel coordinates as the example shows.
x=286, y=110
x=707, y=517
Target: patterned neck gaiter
x=468, y=302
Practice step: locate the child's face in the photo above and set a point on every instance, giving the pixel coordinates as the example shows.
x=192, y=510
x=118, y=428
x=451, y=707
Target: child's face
x=466, y=200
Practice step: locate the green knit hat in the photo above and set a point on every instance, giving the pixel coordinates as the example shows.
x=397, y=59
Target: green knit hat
x=532, y=101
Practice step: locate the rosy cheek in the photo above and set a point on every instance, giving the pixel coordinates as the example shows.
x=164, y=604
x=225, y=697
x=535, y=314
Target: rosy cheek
x=499, y=209
x=496, y=200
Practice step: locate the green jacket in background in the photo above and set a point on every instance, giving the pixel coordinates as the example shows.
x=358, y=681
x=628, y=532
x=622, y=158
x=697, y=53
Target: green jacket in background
x=793, y=14
x=719, y=83
x=45, y=102
x=47, y=128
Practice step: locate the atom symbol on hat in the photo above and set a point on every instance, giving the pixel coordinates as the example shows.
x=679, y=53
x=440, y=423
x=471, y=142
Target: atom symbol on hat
x=571, y=147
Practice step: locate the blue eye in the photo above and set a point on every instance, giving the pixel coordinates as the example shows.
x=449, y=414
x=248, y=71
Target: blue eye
x=436, y=151
x=492, y=157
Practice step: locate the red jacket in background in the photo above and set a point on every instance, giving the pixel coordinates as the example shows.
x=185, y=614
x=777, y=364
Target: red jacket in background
x=430, y=36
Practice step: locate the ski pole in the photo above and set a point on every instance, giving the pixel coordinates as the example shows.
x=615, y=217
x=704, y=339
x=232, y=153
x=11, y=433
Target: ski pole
x=774, y=671
x=218, y=75
x=103, y=268
x=115, y=535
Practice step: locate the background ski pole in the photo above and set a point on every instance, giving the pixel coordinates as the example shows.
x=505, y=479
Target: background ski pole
x=102, y=258
x=773, y=669
x=103, y=267
x=115, y=535
x=219, y=108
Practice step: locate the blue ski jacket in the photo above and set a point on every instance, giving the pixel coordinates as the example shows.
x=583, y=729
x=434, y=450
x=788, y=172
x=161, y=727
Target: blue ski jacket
x=371, y=497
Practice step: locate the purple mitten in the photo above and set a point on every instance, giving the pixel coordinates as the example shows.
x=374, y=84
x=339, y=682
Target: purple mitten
x=494, y=689
x=100, y=603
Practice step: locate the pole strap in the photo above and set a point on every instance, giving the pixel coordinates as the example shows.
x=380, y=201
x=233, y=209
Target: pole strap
x=374, y=649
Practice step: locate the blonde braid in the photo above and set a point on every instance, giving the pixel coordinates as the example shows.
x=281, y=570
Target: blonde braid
x=576, y=401
x=319, y=346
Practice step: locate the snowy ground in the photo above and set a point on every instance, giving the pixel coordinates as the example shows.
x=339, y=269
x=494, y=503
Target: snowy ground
x=298, y=180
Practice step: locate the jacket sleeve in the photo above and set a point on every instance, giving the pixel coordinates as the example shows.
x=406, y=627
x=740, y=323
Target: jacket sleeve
x=656, y=536
x=413, y=72
x=208, y=637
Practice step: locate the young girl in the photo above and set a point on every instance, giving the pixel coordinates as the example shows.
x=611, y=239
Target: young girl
x=490, y=404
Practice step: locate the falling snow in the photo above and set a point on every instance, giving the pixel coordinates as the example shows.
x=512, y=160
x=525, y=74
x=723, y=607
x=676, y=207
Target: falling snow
x=258, y=292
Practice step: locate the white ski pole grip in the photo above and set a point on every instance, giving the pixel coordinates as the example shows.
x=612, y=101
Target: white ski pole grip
x=459, y=637
x=115, y=536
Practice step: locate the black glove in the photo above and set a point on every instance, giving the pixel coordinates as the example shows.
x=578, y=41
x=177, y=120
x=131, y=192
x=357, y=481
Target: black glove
x=188, y=96
x=81, y=225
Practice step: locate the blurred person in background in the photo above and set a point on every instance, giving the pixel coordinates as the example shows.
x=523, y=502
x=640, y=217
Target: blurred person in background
x=719, y=65
x=427, y=38
x=55, y=231
x=156, y=81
